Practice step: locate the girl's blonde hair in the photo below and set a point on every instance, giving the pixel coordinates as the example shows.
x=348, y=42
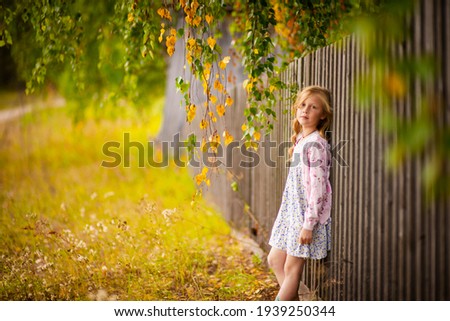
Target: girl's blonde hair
x=324, y=124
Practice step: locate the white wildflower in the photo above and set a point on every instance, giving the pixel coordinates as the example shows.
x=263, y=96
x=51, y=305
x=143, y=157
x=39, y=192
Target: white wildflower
x=108, y=194
x=80, y=245
x=102, y=227
x=81, y=258
x=167, y=213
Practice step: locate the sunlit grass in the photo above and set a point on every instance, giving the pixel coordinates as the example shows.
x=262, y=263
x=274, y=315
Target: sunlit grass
x=73, y=230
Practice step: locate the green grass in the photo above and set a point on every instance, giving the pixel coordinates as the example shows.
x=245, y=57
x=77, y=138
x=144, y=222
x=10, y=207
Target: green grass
x=74, y=230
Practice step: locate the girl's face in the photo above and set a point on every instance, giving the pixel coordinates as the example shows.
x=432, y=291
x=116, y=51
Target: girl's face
x=310, y=112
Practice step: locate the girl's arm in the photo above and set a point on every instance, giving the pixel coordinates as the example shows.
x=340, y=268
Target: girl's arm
x=316, y=178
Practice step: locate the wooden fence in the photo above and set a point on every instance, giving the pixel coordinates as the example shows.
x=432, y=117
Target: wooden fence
x=388, y=243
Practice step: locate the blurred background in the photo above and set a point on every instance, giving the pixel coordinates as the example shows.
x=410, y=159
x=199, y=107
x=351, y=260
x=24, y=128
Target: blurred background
x=76, y=75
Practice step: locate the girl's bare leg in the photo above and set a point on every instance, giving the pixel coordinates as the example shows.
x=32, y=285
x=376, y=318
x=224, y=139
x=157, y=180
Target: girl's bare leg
x=293, y=270
x=276, y=260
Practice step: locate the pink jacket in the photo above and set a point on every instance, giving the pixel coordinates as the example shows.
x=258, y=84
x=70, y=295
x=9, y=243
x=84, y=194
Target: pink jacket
x=315, y=162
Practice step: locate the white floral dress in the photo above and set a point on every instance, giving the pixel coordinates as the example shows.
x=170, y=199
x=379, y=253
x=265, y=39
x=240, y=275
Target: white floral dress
x=306, y=201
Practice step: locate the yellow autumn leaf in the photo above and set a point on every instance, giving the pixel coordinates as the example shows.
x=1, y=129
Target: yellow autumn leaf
x=213, y=99
x=191, y=110
x=214, y=142
x=160, y=11
x=199, y=179
x=170, y=44
x=249, y=86
x=213, y=137
x=197, y=20
x=209, y=18
x=207, y=70
x=257, y=135
x=220, y=110
x=228, y=138
x=194, y=5
x=253, y=145
x=218, y=85
x=213, y=118
x=192, y=107
x=223, y=63
x=203, y=124
x=229, y=101
x=244, y=127
x=245, y=83
x=164, y=13
x=198, y=51
x=160, y=38
x=203, y=144
x=395, y=84
x=188, y=57
x=170, y=41
x=191, y=42
x=211, y=42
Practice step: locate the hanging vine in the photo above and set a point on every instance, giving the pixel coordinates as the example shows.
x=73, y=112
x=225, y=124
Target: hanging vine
x=105, y=50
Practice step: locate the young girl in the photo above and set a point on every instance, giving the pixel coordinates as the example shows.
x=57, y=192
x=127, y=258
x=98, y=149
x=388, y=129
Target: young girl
x=302, y=228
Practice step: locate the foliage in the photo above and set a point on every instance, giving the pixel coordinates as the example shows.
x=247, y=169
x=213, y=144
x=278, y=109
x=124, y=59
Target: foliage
x=109, y=50
x=396, y=81
x=94, y=52
x=105, y=49
x=266, y=35
x=117, y=233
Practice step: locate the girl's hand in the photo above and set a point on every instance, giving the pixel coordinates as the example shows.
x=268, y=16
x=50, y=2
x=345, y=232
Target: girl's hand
x=305, y=236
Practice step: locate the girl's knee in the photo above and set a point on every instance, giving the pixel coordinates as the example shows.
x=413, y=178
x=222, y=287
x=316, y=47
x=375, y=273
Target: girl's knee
x=271, y=260
x=275, y=260
x=294, y=266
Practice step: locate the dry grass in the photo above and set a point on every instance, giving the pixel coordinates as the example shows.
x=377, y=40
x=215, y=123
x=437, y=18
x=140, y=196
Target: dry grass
x=73, y=230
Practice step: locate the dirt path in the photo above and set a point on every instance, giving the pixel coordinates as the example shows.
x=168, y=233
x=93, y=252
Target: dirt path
x=17, y=111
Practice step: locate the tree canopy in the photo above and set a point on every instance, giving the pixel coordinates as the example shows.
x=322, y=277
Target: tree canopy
x=110, y=50
x=103, y=51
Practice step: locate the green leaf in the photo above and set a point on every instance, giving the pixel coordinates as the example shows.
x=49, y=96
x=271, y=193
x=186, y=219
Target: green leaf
x=8, y=37
x=146, y=36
